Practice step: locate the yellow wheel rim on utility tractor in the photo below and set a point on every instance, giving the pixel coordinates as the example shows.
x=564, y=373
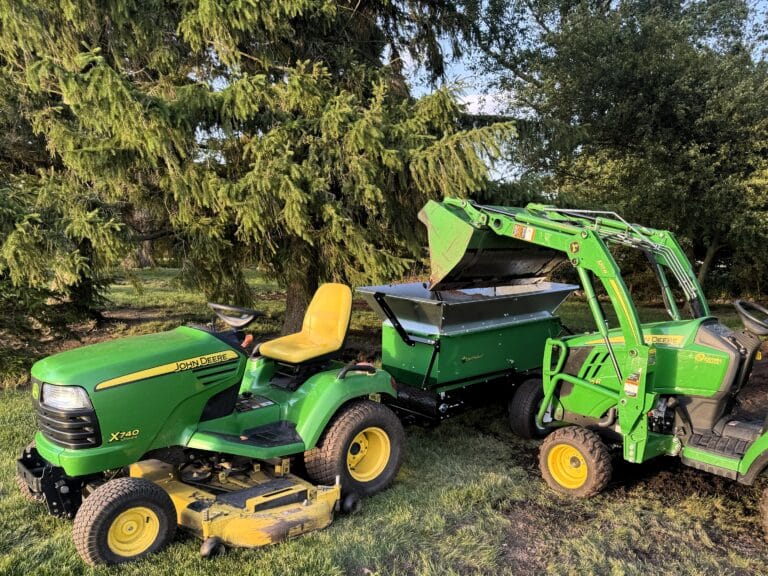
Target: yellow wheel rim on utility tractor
x=368, y=454
x=567, y=466
x=133, y=531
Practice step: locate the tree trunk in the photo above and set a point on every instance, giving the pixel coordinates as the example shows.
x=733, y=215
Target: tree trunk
x=712, y=249
x=85, y=294
x=299, y=292
x=143, y=255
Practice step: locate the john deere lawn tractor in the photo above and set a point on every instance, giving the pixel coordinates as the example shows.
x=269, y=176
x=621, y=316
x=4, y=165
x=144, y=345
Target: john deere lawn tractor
x=194, y=428
x=646, y=389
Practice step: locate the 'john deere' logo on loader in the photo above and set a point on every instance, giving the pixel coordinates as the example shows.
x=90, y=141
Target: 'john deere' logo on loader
x=179, y=366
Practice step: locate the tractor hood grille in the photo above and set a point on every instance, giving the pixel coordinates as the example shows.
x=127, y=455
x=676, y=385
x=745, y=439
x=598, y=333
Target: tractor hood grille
x=69, y=428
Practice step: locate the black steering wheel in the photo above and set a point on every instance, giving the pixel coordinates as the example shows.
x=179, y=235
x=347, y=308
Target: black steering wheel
x=753, y=316
x=234, y=316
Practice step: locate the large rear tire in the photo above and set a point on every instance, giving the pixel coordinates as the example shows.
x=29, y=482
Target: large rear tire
x=524, y=407
x=362, y=446
x=574, y=461
x=124, y=520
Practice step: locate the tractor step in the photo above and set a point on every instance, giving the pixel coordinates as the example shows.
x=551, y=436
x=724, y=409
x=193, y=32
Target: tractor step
x=271, y=435
x=721, y=445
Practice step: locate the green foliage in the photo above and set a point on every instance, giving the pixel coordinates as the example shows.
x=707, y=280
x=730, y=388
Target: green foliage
x=235, y=133
x=654, y=109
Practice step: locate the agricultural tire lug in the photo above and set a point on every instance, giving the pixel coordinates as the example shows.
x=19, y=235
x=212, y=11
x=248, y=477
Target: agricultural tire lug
x=575, y=461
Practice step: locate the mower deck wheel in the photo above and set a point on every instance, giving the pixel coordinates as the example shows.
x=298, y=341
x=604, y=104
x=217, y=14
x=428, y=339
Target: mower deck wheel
x=212, y=547
x=362, y=446
x=574, y=461
x=524, y=407
x=123, y=520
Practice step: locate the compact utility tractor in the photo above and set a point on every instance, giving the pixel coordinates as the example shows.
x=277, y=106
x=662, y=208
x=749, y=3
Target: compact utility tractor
x=191, y=428
x=648, y=389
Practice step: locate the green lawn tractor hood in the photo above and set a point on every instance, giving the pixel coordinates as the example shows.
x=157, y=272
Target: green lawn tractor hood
x=122, y=398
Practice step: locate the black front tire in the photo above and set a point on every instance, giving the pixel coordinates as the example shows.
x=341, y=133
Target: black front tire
x=124, y=520
x=574, y=461
x=524, y=407
x=362, y=446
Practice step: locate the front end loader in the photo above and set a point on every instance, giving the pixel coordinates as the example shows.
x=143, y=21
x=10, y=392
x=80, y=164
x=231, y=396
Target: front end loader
x=645, y=389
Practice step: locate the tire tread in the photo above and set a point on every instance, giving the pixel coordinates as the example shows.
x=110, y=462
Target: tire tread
x=94, y=512
x=594, y=451
x=324, y=461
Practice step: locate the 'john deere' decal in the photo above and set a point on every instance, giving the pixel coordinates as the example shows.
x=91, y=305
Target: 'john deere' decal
x=178, y=366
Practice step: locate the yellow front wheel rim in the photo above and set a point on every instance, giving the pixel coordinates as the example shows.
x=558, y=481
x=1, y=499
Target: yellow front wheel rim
x=133, y=531
x=567, y=466
x=368, y=454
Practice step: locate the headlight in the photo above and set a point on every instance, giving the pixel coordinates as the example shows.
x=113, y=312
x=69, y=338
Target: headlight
x=65, y=397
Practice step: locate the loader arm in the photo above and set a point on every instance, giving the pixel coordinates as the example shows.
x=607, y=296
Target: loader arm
x=475, y=245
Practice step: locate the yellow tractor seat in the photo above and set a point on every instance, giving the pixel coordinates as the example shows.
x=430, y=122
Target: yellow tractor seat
x=323, y=331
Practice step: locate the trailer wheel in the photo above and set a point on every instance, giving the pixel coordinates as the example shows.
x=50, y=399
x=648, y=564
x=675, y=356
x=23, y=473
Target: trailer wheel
x=362, y=446
x=123, y=520
x=27, y=493
x=574, y=461
x=524, y=407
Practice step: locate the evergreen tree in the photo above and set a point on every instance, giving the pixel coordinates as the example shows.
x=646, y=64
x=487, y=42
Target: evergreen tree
x=254, y=133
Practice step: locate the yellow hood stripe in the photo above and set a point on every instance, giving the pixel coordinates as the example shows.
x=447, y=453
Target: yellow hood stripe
x=177, y=366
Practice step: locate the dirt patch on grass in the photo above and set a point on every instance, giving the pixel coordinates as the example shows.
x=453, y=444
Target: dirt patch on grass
x=527, y=546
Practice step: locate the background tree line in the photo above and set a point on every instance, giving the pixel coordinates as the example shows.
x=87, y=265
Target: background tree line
x=283, y=135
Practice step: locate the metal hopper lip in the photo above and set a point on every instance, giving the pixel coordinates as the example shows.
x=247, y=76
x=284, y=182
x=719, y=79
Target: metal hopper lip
x=457, y=311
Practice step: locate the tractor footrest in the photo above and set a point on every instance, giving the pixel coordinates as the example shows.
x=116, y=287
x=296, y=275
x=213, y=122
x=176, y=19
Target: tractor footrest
x=722, y=445
x=271, y=435
x=749, y=431
x=239, y=498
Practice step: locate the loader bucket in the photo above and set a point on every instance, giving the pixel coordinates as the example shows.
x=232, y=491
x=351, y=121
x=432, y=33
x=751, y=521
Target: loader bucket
x=463, y=256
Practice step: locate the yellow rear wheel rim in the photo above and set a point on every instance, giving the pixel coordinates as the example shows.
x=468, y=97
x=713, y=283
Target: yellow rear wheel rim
x=567, y=466
x=368, y=454
x=133, y=531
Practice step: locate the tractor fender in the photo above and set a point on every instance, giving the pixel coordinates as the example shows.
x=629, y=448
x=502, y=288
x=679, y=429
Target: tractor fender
x=323, y=395
x=754, y=461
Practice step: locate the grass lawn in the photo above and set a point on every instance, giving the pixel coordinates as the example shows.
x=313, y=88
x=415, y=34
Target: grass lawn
x=468, y=499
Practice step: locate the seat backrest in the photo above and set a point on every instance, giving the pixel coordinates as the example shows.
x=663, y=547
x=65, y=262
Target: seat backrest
x=327, y=316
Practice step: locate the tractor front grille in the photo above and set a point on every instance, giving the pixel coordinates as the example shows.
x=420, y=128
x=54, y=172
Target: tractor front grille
x=69, y=428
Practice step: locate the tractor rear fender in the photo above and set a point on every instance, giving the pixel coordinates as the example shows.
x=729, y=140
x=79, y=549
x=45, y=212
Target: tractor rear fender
x=754, y=461
x=324, y=393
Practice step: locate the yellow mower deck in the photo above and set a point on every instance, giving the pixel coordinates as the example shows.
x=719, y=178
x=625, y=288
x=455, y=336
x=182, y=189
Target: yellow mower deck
x=263, y=508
